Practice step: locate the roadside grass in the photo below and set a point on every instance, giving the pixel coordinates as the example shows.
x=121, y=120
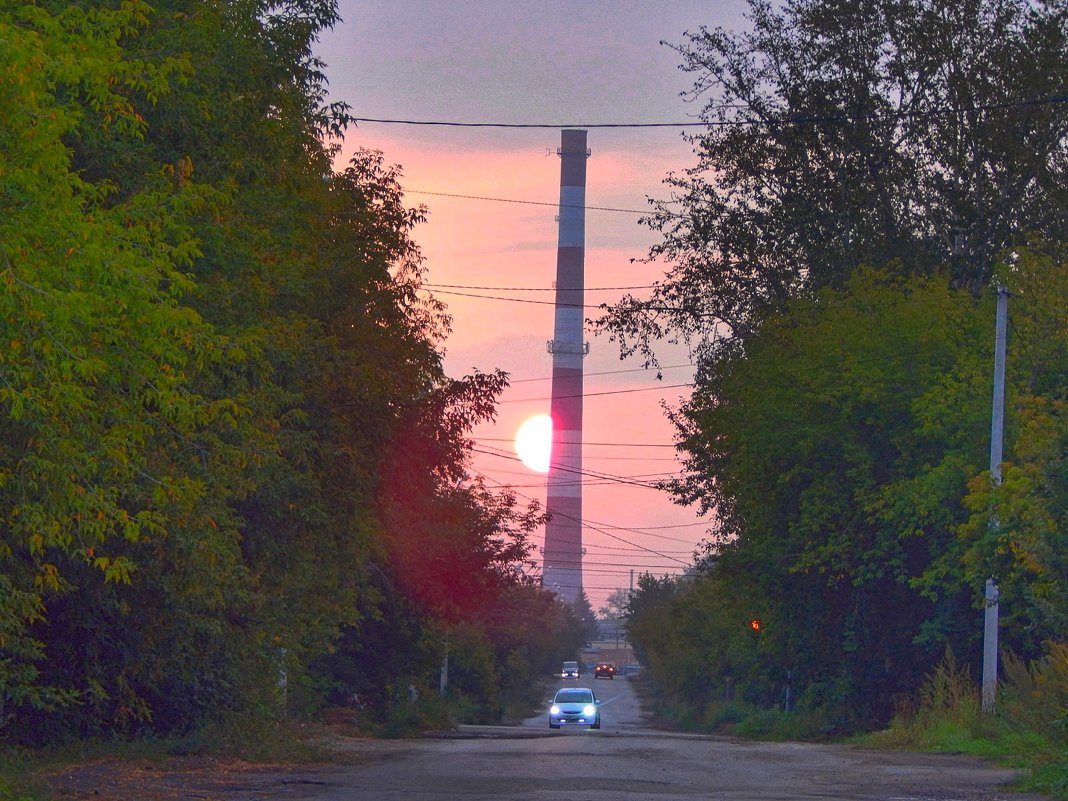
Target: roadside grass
x=432, y=713
x=247, y=737
x=731, y=717
x=1027, y=730
x=253, y=737
x=16, y=778
x=531, y=700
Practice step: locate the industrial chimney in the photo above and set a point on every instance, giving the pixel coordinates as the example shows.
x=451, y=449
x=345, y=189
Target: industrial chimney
x=562, y=572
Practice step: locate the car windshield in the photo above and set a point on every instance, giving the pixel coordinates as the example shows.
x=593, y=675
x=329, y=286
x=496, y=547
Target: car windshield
x=574, y=697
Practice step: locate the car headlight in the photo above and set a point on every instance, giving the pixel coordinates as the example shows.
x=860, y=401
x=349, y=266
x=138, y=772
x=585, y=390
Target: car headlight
x=589, y=710
x=554, y=710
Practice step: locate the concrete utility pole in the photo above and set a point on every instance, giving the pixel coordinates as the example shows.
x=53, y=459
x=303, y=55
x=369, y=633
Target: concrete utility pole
x=997, y=414
x=562, y=570
x=997, y=429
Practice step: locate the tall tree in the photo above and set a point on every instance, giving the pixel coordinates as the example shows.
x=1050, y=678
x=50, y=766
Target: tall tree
x=215, y=342
x=615, y=605
x=100, y=346
x=860, y=157
x=836, y=451
x=901, y=135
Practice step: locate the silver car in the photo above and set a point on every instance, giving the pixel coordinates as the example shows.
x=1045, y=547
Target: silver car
x=575, y=706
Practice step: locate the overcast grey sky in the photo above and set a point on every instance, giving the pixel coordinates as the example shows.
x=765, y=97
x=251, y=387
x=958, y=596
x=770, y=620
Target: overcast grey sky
x=554, y=61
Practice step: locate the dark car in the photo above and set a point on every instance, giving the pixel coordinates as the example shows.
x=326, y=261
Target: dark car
x=574, y=706
x=604, y=670
x=570, y=671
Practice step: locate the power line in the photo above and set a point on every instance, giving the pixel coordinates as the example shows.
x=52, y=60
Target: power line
x=522, y=202
x=600, y=444
x=534, y=288
x=605, y=476
x=616, y=550
x=821, y=119
x=606, y=372
x=598, y=482
x=605, y=482
x=644, y=305
x=519, y=125
x=515, y=300
x=607, y=392
x=587, y=524
x=596, y=458
x=594, y=524
x=607, y=444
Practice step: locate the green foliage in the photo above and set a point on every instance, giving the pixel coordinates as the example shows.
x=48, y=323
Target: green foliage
x=1027, y=729
x=15, y=781
x=584, y=612
x=843, y=133
x=839, y=434
x=496, y=661
x=412, y=720
x=778, y=725
x=228, y=443
x=252, y=735
x=100, y=349
x=1015, y=531
x=615, y=606
x=842, y=450
x=836, y=478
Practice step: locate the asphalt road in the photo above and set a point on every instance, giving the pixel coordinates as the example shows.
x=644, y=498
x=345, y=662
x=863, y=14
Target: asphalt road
x=625, y=760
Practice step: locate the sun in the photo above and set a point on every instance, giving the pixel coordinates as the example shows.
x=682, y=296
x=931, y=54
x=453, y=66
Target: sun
x=534, y=442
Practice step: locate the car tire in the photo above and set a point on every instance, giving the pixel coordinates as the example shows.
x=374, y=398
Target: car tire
x=554, y=725
x=596, y=724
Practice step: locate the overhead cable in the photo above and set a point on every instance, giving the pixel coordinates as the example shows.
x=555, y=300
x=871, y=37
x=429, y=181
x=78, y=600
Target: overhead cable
x=597, y=394
x=522, y=202
x=606, y=372
x=805, y=119
x=535, y=288
x=593, y=524
x=587, y=524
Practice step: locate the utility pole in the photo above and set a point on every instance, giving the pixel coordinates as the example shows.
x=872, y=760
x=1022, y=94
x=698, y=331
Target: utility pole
x=443, y=678
x=997, y=415
x=997, y=430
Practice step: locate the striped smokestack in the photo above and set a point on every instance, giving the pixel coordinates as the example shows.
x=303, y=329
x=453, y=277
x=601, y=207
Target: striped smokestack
x=562, y=571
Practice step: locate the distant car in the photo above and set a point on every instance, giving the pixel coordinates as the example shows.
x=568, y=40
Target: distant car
x=570, y=671
x=604, y=670
x=574, y=706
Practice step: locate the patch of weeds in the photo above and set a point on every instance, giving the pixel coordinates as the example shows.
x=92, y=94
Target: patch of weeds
x=724, y=714
x=412, y=720
x=1050, y=777
x=16, y=778
x=778, y=725
x=1027, y=728
x=251, y=737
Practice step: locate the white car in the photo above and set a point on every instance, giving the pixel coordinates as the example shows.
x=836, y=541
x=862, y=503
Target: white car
x=574, y=706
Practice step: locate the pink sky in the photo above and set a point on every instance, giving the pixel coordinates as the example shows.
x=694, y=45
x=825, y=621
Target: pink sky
x=422, y=61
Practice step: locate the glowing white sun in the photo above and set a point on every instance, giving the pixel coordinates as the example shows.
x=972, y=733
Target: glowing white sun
x=534, y=442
